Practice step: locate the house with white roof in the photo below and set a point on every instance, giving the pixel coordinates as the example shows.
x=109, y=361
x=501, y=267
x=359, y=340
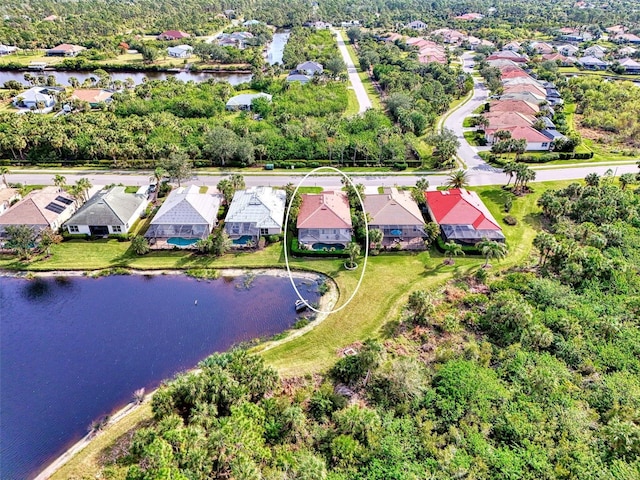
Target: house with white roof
x=7, y=49
x=38, y=99
x=597, y=51
x=297, y=77
x=255, y=212
x=181, y=51
x=244, y=100
x=568, y=50
x=108, y=212
x=186, y=214
x=592, y=63
x=417, y=25
x=630, y=65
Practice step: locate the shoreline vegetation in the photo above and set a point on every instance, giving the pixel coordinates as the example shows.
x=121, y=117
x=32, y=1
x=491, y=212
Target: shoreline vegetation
x=142, y=410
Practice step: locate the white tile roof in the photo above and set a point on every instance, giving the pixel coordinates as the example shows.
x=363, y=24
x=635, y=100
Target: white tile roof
x=262, y=206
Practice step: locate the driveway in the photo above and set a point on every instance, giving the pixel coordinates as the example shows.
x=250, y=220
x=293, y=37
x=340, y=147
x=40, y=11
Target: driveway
x=354, y=78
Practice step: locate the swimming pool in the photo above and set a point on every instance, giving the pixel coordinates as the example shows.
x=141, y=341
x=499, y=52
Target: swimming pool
x=181, y=242
x=327, y=246
x=243, y=240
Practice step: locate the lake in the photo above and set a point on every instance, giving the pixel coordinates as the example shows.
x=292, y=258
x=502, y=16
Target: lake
x=73, y=349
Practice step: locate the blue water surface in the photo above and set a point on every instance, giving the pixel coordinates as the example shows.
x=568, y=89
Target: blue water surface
x=74, y=349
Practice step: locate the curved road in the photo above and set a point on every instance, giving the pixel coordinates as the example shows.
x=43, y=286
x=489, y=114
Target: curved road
x=354, y=78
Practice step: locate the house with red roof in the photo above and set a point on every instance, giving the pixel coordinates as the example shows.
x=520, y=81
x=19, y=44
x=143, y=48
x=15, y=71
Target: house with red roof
x=65, y=50
x=521, y=106
x=501, y=120
x=462, y=216
x=536, y=141
x=324, y=219
x=508, y=55
x=173, y=35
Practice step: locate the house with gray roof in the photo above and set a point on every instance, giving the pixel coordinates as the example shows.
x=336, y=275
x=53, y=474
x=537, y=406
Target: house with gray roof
x=244, y=100
x=186, y=213
x=180, y=51
x=397, y=216
x=255, y=212
x=592, y=63
x=310, y=68
x=108, y=212
x=40, y=209
x=39, y=99
x=297, y=77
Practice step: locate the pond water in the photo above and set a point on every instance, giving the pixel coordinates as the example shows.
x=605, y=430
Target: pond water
x=276, y=49
x=62, y=77
x=73, y=349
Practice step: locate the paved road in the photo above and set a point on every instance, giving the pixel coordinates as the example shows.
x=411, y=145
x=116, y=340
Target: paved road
x=478, y=176
x=467, y=153
x=354, y=78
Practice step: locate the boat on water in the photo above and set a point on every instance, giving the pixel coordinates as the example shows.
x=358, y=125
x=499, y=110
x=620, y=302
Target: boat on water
x=301, y=305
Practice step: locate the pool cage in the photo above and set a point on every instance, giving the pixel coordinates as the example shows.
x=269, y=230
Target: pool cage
x=182, y=231
x=467, y=235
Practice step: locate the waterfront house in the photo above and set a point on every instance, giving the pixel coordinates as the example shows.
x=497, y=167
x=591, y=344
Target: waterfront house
x=630, y=65
x=462, y=216
x=324, y=220
x=255, y=212
x=626, y=52
x=181, y=51
x=65, y=50
x=36, y=98
x=627, y=38
x=93, y=96
x=46, y=208
x=310, y=68
x=7, y=49
x=108, y=212
x=173, y=35
x=397, y=215
x=7, y=196
x=244, y=100
x=185, y=214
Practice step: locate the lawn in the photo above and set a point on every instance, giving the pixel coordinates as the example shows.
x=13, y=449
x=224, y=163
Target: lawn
x=599, y=73
x=388, y=281
x=364, y=76
x=353, y=107
x=468, y=122
x=475, y=139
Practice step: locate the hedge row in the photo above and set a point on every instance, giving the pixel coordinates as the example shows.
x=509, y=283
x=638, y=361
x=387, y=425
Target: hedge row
x=296, y=251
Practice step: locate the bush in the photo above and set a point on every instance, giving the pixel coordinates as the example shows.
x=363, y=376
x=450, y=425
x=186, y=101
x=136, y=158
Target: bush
x=274, y=238
x=400, y=166
x=121, y=237
x=510, y=220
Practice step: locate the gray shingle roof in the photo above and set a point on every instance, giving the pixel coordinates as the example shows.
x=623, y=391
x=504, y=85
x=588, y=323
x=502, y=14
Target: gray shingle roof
x=188, y=206
x=246, y=99
x=110, y=207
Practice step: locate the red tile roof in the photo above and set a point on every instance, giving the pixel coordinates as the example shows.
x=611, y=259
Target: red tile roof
x=175, y=34
x=460, y=207
x=514, y=106
x=324, y=210
x=500, y=119
x=530, y=134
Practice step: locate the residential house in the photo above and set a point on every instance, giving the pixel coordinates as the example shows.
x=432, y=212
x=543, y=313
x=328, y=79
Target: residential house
x=502, y=63
x=597, y=51
x=244, y=100
x=181, y=51
x=50, y=18
x=462, y=216
x=512, y=46
x=417, y=25
x=255, y=212
x=310, y=68
x=186, y=213
x=528, y=80
x=93, y=96
x=514, y=106
x=630, y=65
x=235, y=39
x=173, y=35
x=626, y=52
x=350, y=23
x=542, y=47
x=36, y=98
x=40, y=209
x=398, y=217
x=7, y=196
x=108, y=212
x=250, y=23
x=510, y=72
x=577, y=35
x=7, y=49
x=428, y=51
x=592, y=63
x=557, y=58
x=475, y=42
x=568, y=50
x=627, y=38
x=529, y=97
x=449, y=36
x=525, y=87
x=469, y=17
x=508, y=55
x=500, y=120
x=319, y=25
x=296, y=77
x=616, y=29
x=325, y=219
x=65, y=50
x=536, y=141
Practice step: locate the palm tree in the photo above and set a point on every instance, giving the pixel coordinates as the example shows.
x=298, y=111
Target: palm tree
x=509, y=169
x=457, y=179
x=491, y=249
x=4, y=171
x=158, y=174
x=353, y=250
x=59, y=181
x=83, y=186
x=593, y=180
x=375, y=237
x=452, y=249
x=627, y=179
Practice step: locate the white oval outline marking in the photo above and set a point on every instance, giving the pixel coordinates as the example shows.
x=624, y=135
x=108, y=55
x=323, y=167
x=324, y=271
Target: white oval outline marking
x=366, y=250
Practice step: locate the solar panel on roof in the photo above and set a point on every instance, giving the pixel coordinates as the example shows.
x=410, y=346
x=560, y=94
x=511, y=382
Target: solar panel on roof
x=55, y=207
x=66, y=201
